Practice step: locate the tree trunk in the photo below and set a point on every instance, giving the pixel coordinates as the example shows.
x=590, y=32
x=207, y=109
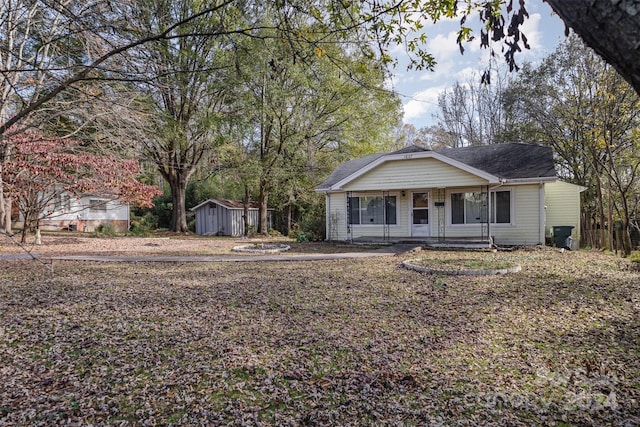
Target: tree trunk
x=5, y=202
x=178, y=184
x=289, y=215
x=609, y=27
x=245, y=211
x=600, y=213
x=5, y=212
x=262, y=207
x=611, y=225
x=27, y=226
x=626, y=229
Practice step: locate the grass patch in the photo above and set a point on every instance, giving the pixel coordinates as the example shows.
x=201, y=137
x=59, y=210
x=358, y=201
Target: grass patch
x=475, y=263
x=341, y=342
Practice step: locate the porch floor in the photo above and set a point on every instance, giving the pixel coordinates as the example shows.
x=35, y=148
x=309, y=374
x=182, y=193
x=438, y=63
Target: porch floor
x=432, y=242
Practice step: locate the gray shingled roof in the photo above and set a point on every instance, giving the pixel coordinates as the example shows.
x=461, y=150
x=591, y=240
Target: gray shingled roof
x=229, y=204
x=508, y=161
x=505, y=161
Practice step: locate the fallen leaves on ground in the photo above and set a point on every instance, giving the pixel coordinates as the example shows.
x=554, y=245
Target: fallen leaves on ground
x=344, y=342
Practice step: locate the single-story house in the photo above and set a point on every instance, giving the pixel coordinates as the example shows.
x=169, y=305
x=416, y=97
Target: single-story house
x=85, y=213
x=221, y=217
x=506, y=194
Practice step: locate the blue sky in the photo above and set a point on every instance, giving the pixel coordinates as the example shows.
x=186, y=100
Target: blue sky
x=419, y=90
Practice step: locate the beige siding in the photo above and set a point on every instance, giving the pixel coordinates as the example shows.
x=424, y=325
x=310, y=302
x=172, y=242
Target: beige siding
x=525, y=227
x=337, y=218
x=336, y=205
x=562, y=201
x=413, y=174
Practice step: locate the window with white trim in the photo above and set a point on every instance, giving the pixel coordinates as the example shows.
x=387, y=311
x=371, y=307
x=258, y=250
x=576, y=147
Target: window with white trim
x=365, y=210
x=501, y=207
x=471, y=207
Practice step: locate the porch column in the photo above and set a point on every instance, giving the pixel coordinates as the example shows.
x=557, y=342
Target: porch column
x=348, y=221
x=542, y=219
x=327, y=202
x=385, y=220
x=489, y=214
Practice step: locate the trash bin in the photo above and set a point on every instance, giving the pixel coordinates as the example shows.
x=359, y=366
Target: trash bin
x=562, y=236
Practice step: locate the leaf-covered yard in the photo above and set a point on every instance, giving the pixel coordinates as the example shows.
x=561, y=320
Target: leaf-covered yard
x=343, y=342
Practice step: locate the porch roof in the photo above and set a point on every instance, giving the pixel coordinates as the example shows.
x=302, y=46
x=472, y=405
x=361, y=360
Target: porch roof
x=229, y=204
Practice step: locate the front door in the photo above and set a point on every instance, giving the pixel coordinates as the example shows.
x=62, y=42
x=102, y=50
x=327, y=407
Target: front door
x=420, y=214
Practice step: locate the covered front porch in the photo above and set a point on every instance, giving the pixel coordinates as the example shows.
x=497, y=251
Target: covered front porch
x=433, y=216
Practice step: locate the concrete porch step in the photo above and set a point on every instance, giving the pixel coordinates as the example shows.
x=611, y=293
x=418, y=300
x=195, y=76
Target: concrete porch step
x=432, y=242
x=459, y=245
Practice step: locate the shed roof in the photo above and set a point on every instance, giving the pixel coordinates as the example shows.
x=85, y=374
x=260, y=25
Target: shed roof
x=508, y=161
x=229, y=204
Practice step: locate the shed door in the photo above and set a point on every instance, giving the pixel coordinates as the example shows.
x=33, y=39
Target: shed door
x=212, y=219
x=420, y=214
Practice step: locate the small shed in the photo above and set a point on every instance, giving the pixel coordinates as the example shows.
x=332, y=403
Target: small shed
x=221, y=217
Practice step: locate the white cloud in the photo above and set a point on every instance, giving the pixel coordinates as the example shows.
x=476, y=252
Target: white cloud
x=447, y=55
x=466, y=74
x=420, y=89
x=531, y=29
x=422, y=105
x=398, y=51
x=441, y=71
x=443, y=47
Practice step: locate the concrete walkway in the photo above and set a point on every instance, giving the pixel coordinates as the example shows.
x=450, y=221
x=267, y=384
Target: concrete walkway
x=385, y=251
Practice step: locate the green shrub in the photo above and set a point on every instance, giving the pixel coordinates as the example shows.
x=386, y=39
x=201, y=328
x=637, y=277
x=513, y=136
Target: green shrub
x=142, y=226
x=303, y=235
x=139, y=230
x=104, y=230
x=191, y=224
x=274, y=233
x=149, y=220
x=252, y=230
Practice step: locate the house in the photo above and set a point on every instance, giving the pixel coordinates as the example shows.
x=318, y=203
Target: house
x=507, y=194
x=85, y=213
x=220, y=217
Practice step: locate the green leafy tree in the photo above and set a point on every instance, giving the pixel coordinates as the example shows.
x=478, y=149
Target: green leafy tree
x=300, y=106
x=50, y=48
x=185, y=94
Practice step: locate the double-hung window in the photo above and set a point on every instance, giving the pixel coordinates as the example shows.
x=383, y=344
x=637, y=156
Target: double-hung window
x=471, y=207
x=372, y=210
x=501, y=207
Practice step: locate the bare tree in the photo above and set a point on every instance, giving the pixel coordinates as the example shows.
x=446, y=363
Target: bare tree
x=581, y=107
x=473, y=112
